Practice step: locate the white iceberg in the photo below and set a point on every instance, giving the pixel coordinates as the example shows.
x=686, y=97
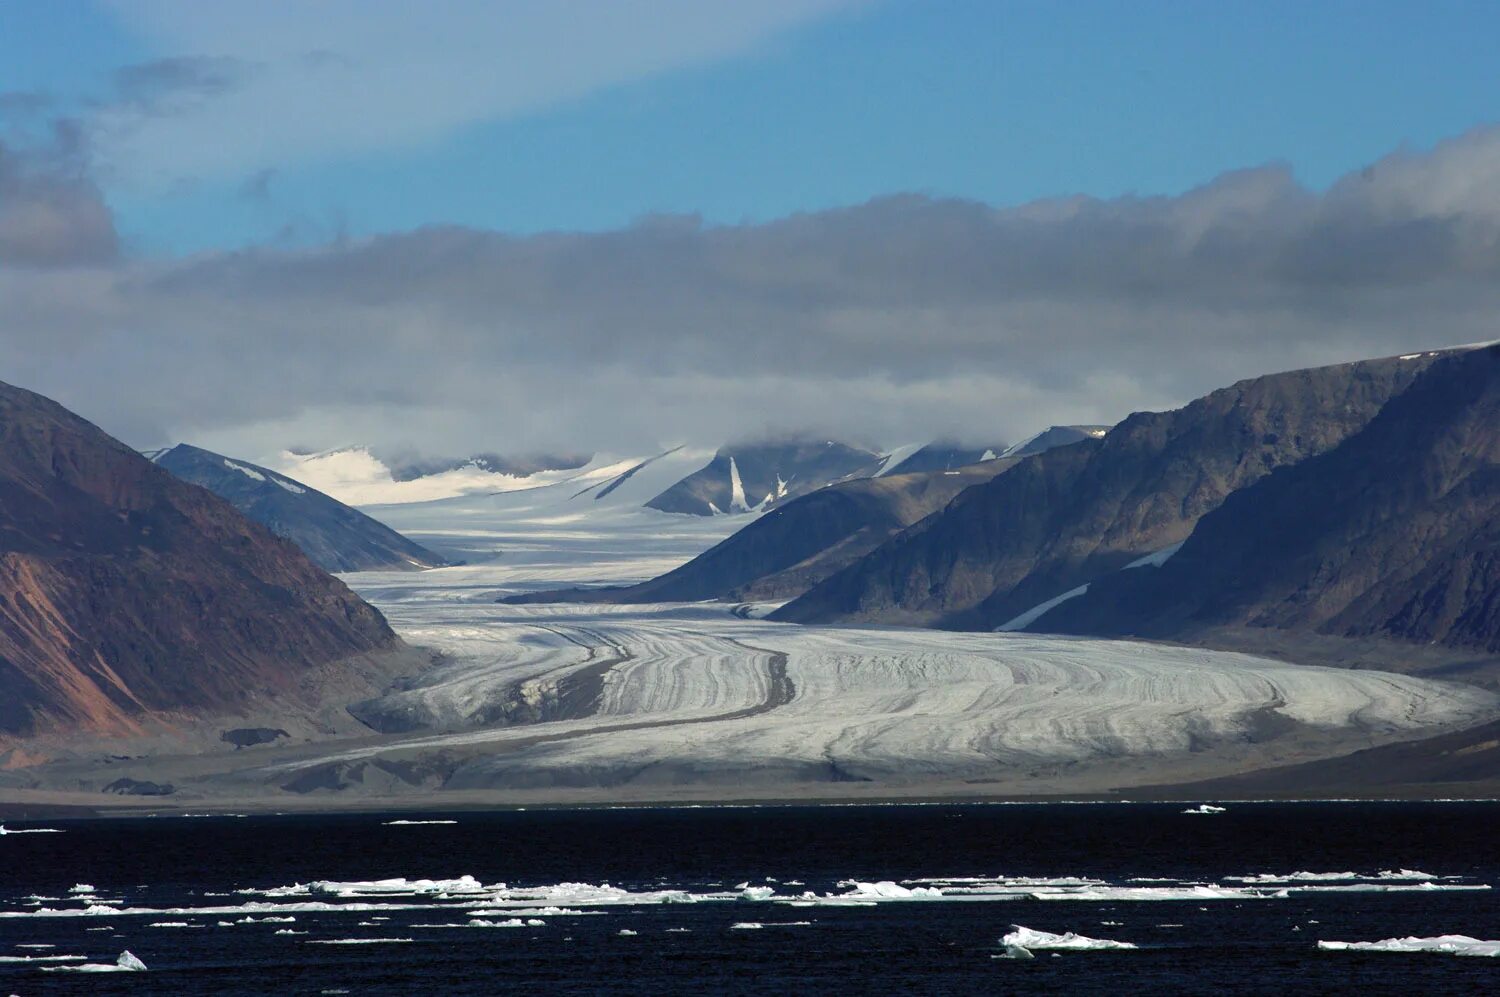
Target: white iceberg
x=126, y=963
x=1445, y=944
x=1204, y=808
x=1032, y=940
x=82, y=888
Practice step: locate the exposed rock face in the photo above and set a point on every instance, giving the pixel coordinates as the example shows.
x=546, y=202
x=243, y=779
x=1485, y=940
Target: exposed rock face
x=1394, y=533
x=335, y=536
x=793, y=547
x=1054, y=436
x=944, y=457
x=125, y=592
x=742, y=478
x=1062, y=518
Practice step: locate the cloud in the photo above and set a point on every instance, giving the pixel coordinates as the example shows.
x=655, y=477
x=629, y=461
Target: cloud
x=51, y=213
x=902, y=319
x=291, y=84
x=178, y=84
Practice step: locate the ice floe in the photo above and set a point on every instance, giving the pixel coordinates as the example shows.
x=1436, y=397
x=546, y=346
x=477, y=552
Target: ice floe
x=29, y=830
x=1444, y=944
x=1406, y=875
x=359, y=941
x=415, y=823
x=126, y=963
x=1204, y=808
x=1033, y=940
x=41, y=958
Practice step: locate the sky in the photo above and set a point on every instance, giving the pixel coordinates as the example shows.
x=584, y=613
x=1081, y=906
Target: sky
x=515, y=226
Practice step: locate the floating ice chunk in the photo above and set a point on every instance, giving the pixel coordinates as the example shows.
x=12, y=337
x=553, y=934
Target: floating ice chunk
x=387, y=887
x=1157, y=893
x=757, y=893
x=1014, y=952
x=415, y=823
x=756, y=925
x=126, y=963
x=887, y=890
x=173, y=924
x=1027, y=938
x=82, y=888
x=627, y=933
x=29, y=830
x=288, y=931
x=746, y=926
x=1204, y=808
x=1395, y=875
x=1445, y=944
x=359, y=941
x=41, y=958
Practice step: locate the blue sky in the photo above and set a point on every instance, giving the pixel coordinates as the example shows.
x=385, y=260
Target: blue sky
x=998, y=101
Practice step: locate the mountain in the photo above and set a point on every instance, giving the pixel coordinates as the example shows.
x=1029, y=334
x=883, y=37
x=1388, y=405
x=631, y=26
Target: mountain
x=756, y=476
x=796, y=545
x=405, y=467
x=1395, y=533
x=335, y=536
x=1052, y=437
x=128, y=595
x=938, y=457
x=1064, y=517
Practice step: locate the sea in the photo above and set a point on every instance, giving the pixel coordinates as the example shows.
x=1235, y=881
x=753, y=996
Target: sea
x=859, y=899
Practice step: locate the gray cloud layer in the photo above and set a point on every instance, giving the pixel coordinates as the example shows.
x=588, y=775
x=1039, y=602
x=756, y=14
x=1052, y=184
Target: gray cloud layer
x=898, y=320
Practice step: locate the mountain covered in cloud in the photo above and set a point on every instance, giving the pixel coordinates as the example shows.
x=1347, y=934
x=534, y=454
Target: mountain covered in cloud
x=410, y=467
x=129, y=597
x=756, y=476
x=335, y=536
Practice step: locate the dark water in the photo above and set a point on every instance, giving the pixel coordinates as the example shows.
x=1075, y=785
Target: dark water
x=1235, y=945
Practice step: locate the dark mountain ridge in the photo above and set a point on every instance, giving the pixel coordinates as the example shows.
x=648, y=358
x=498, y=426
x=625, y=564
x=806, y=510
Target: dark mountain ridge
x=1074, y=513
x=336, y=536
x=1395, y=533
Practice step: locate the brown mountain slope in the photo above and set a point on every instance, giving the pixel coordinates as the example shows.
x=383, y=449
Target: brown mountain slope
x=1395, y=534
x=126, y=592
x=1064, y=517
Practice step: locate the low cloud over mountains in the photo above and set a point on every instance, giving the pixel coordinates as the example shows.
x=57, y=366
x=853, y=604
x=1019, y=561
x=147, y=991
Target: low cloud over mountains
x=904, y=318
